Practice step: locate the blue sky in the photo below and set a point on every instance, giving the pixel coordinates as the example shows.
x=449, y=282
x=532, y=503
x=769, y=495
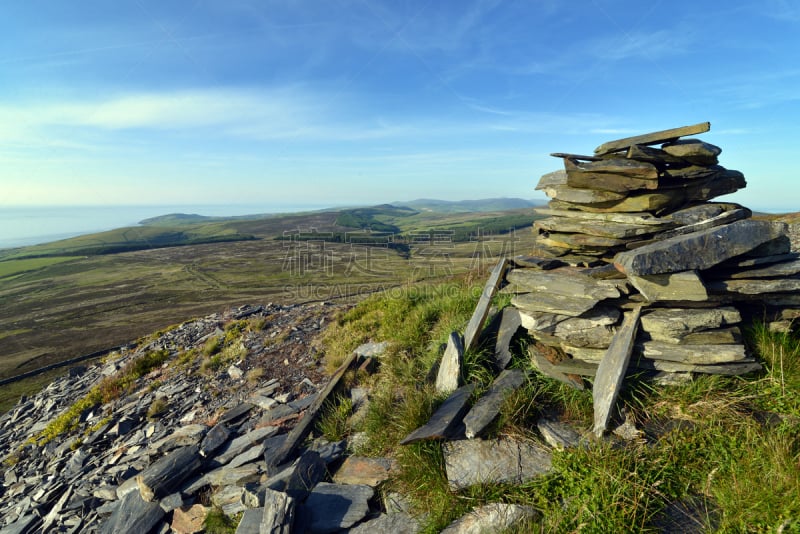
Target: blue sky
x=350, y=102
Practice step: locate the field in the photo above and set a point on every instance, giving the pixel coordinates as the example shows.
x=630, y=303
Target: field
x=54, y=307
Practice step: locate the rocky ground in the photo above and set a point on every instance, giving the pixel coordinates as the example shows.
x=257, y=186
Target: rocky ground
x=220, y=426
x=79, y=481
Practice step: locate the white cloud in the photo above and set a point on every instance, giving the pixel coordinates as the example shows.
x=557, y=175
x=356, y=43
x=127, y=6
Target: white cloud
x=641, y=45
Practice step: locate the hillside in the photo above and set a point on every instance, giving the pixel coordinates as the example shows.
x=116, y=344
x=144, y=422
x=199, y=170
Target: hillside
x=192, y=425
x=65, y=299
x=459, y=206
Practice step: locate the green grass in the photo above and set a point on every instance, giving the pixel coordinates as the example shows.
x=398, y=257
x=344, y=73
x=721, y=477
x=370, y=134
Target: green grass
x=333, y=424
x=724, y=450
x=13, y=267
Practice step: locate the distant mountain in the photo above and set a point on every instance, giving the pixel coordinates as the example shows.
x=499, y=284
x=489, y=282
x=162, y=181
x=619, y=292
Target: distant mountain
x=460, y=206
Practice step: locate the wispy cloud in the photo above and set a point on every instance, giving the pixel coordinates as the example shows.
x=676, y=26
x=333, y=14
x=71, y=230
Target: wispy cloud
x=289, y=114
x=641, y=45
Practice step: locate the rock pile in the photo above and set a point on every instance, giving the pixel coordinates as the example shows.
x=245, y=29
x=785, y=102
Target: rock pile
x=630, y=227
x=230, y=438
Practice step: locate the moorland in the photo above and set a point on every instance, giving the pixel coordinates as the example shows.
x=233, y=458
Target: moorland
x=73, y=297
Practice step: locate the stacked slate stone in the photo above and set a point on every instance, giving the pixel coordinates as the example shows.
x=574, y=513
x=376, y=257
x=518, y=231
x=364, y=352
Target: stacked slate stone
x=699, y=270
x=629, y=191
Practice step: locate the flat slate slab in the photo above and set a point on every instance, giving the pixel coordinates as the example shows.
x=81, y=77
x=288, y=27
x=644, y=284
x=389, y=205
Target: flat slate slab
x=698, y=250
x=487, y=408
x=610, y=182
x=591, y=227
x=715, y=336
x=567, y=282
x=549, y=368
x=668, y=324
x=475, y=324
x=333, y=507
x=536, y=262
x=622, y=218
x=681, y=286
x=611, y=370
x=616, y=166
x=581, y=196
x=557, y=434
x=299, y=433
x=493, y=517
x=133, y=514
x=727, y=369
x=661, y=136
x=393, y=523
x=549, y=302
x=445, y=419
x=449, y=376
x=652, y=202
x=755, y=287
x=718, y=220
x=510, y=323
x=363, y=470
x=694, y=354
x=477, y=461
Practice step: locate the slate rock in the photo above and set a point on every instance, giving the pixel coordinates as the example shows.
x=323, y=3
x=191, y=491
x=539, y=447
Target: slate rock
x=510, y=323
x=671, y=324
x=250, y=523
x=363, y=470
x=477, y=461
x=493, y=517
x=566, y=281
x=546, y=364
x=536, y=262
x=487, y=408
x=305, y=473
x=641, y=218
x=698, y=250
x=214, y=439
x=557, y=434
x=661, y=136
x=755, y=287
x=189, y=519
x=581, y=196
x=679, y=286
x=596, y=228
x=553, y=303
x=445, y=420
x=449, y=376
x=392, y=523
x=693, y=354
x=243, y=442
x=132, y=514
x=616, y=166
x=715, y=336
x=612, y=368
x=693, y=150
x=778, y=269
x=372, y=350
x=278, y=513
x=333, y=507
x=229, y=499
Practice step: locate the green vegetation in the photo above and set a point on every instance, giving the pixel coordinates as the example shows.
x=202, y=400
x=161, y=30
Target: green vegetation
x=217, y=522
x=157, y=408
x=12, y=267
x=107, y=390
x=334, y=424
x=724, y=452
x=129, y=239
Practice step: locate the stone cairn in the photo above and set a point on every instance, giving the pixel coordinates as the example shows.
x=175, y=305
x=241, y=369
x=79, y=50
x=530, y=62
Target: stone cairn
x=634, y=270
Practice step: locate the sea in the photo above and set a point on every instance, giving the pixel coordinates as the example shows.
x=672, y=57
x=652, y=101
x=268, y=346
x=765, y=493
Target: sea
x=30, y=225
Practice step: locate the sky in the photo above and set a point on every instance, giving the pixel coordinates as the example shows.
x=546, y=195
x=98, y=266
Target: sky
x=340, y=102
